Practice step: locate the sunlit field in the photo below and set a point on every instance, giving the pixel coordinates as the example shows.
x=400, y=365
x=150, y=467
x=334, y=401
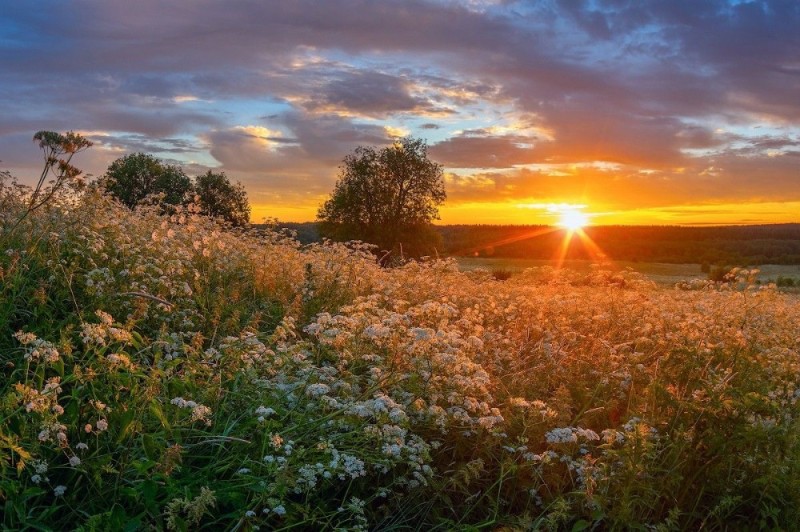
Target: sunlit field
x=663, y=274
x=163, y=372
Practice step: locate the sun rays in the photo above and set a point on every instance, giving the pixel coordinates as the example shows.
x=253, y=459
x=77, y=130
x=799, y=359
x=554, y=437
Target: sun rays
x=570, y=220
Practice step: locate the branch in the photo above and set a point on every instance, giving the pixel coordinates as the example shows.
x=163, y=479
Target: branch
x=145, y=295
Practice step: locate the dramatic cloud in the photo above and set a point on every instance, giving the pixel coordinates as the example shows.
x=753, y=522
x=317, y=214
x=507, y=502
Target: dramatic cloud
x=614, y=104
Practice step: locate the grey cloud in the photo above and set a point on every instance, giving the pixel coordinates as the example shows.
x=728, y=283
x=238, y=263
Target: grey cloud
x=368, y=93
x=471, y=151
x=309, y=163
x=610, y=80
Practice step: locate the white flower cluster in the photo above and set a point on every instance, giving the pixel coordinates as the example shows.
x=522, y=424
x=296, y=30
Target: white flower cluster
x=199, y=412
x=104, y=332
x=570, y=435
x=37, y=349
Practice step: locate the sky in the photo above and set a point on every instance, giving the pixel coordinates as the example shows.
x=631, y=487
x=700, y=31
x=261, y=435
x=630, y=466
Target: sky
x=634, y=112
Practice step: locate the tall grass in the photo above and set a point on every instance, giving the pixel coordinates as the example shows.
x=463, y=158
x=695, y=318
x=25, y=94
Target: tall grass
x=166, y=372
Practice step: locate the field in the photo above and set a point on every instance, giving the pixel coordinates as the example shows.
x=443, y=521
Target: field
x=663, y=274
x=162, y=372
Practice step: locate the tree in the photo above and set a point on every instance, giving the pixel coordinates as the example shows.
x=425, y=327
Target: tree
x=221, y=198
x=387, y=197
x=136, y=176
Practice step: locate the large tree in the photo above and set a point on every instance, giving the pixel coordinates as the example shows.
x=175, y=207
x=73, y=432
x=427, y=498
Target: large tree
x=387, y=197
x=136, y=176
x=221, y=198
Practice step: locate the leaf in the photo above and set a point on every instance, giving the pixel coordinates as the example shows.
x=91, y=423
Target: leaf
x=583, y=524
x=156, y=410
x=126, y=425
x=149, y=446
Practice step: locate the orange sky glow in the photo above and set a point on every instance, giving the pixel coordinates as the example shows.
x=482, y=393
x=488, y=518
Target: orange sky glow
x=664, y=113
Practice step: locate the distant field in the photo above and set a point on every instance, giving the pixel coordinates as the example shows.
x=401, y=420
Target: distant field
x=661, y=273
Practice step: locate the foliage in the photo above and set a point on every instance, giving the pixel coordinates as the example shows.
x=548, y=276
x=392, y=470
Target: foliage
x=162, y=371
x=719, y=274
x=219, y=197
x=137, y=176
x=58, y=150
x=387, y=197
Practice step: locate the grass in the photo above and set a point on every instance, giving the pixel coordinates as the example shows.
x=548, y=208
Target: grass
x=665, y=274
x=167, y=373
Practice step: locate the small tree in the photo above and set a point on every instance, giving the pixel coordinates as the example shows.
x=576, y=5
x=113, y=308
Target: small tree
x=221, y=198
x=133, y=177
x=387, y=197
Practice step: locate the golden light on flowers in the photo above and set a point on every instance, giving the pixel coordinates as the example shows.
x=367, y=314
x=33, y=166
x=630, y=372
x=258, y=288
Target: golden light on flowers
x=445, y=353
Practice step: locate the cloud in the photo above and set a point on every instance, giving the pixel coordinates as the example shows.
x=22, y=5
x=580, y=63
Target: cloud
x=365, y=93
x=688, y=101
x=484, y=151
x=306, y=161
x=626, y=187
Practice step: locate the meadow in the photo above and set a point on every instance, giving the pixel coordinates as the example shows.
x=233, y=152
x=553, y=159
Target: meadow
x=160, y=371
x=661, y=273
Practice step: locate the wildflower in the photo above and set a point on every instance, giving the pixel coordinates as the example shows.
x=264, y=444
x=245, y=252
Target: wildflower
x=421, y=334
x=102, y=425
x=40, y=466
x=25, y=338
x=180, y=402
x=74, y=461
x=561, y=435
x=58, y=491
x=279, y=510
x=263, y=418
x=201, y=413
x=105, y=318
x=315, y=390
x=82, y=446
x=250, y=513
x=53, y=386
x=277, y=441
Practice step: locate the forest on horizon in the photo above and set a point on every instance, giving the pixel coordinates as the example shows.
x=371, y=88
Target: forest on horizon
x=741, y=245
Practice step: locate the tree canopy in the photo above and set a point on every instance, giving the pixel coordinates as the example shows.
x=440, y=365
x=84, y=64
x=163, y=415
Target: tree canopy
x=136, y=176
x=219, y=197
x=387, y=197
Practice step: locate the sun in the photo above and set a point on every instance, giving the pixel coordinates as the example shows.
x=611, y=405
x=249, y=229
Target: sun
x=573, y=220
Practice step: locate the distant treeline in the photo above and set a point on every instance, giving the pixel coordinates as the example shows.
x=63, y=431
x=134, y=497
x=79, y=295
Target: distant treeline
x=732, y=245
